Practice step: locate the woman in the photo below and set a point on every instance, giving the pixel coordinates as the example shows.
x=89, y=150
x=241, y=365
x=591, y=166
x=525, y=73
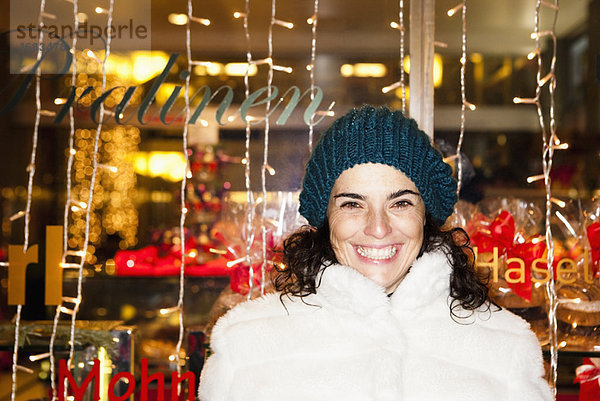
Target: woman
x=376, y=302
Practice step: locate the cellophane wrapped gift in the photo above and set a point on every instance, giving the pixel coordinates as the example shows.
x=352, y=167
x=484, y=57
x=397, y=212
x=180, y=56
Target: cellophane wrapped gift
x=279, y=218
x=577, y=256
x=505, y=235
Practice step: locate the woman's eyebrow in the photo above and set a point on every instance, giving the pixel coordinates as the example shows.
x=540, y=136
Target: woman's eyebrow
x=401, y=193
x=349, y=195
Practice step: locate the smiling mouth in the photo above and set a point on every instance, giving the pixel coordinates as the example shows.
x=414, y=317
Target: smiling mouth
x=377, y=253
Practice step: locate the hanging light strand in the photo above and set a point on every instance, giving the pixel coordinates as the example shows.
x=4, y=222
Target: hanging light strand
x=313, y=52
x=402, y=50
x=36, y=127
x=51, y=352
x=463, y=106
x=71, y=154
x=550, y=143
x=263, y=171
x=15, y=354
x=548, y=140
x=399, y=84
x=249, y=195
x=31, y=171
x=184, y=210
x=91, y=189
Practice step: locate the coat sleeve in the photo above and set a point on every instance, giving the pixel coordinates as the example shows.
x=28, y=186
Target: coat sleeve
x=216, y=378
x=528, y=380
x=217, y=374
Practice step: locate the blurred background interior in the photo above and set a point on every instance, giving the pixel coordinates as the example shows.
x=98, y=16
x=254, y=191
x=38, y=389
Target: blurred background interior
x=357, y=54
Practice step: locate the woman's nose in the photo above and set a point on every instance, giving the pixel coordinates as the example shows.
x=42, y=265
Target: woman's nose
x=377, y=224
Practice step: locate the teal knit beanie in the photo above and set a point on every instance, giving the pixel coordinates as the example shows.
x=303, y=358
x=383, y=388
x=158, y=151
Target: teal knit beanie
x=370, y=135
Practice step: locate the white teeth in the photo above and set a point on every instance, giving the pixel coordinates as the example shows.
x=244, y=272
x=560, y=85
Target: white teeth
x=377, y=253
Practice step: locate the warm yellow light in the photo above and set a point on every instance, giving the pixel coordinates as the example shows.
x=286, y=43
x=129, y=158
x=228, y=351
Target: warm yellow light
x=232, y=263
x=289, y=70
x=454, y=10
x=531, y=55
x=398, y=92
x=147, y=65
x=373, y=70
x=470, y=106
x=60, y=100
x=239, y=69
x=209, y=68
x=99, y=10
x=347, y=70
x=178, y=19
x=438, y=70
x=406, y=64
x=167, y=165
x=168, y=311
x=140, y=163
x=285, y=24
x=165, y=90
x=203, y=21
x=561, y=146
x=82, y=18
x=37, y=357
x=120, y=66
x=535, y=178
x=476, y=57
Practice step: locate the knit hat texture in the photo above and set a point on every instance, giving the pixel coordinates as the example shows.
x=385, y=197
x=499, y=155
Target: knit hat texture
x=370, y=135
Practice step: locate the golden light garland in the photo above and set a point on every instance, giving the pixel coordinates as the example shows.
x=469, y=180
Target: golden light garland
x=120, y=215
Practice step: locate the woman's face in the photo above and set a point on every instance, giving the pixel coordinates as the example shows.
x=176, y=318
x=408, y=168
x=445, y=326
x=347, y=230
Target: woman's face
x=376, y=217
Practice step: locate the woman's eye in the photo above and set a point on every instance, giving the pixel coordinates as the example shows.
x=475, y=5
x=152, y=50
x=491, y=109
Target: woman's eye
x=350, y=205
x=402, y=203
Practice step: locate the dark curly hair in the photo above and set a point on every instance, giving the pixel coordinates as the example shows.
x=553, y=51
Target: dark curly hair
x=306, y=251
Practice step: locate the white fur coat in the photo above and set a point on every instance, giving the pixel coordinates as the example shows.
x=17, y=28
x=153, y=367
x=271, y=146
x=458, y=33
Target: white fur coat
x=356, y=343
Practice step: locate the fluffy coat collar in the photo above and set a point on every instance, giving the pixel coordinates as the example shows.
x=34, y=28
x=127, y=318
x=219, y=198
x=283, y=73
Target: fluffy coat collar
x=428, y=279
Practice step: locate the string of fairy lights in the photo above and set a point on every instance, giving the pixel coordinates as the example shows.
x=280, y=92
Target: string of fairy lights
x=550, y=143
x=249, y=196
x=463, y=99
x=402, y=82
x=71, y=154
x=31, y=173
x=464, y=104
x=184, y=210
x=88, y=210
x=313, y=21
x=263, y=171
